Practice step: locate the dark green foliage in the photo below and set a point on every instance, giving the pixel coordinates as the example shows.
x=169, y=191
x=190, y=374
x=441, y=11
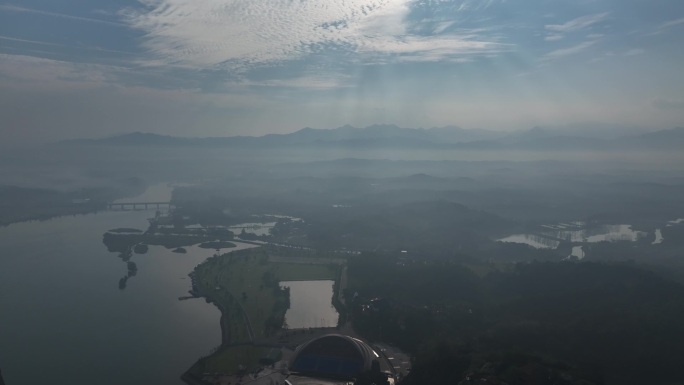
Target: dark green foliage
x=121, y=242
x=132, y=268
x=451, y=364
x=125, y=230
x=140, y=248
x=616, y=317
x=438, y=227
x=216, y=245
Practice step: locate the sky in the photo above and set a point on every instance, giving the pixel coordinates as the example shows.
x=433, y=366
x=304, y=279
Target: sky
x=95, y=68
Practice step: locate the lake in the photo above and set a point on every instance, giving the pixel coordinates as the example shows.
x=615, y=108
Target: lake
x=64, y=320
x=576, y=232
x=310, y=304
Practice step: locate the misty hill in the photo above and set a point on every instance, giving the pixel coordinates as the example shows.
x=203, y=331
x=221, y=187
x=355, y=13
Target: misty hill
x=371, y=135
x=664, y=139
x=346, y=135
x=449, y=134
x=392, y=136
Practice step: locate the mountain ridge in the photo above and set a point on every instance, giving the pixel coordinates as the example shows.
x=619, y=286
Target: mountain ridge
x=448, y=137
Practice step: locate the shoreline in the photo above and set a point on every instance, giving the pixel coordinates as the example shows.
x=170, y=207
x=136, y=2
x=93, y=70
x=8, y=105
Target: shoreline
x=47, y=217
x=283, y=339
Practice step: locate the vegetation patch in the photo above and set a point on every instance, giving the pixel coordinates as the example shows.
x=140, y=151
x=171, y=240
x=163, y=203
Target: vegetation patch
x=246, y=286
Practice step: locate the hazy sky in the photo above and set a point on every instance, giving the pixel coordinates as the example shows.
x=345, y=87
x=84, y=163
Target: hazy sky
x=73, y=68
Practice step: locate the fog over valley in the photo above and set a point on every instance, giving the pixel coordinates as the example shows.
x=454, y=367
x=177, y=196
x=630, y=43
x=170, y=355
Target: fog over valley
x=345, y=192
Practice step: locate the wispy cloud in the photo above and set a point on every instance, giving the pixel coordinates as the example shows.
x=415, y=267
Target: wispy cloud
x=13, y=8
x=41, y=72
x=94, y=49
x=308, y=82
x=242, y=33
x=556, y=32
x=634, y=52
x=672, y=23
x=430, y=48
x=578, y=23
x=665, y=26
x=574, y=50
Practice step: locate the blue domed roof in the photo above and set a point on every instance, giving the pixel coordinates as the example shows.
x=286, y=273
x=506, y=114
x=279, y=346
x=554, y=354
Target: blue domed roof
x=333, y=355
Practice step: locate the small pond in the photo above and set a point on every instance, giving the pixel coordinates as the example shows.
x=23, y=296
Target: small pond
x=310, y=304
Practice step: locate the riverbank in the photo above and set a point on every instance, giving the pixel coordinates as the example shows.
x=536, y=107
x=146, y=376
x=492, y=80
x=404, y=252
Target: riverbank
x=85, y=329
x=245, y=287
x=20, y=204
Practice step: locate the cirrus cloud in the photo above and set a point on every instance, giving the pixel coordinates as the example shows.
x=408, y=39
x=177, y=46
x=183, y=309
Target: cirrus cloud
x=238, y=34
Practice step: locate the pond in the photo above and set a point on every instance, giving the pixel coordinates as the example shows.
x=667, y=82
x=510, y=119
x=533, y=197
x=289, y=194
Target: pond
x=310, y=304
x=577, y=252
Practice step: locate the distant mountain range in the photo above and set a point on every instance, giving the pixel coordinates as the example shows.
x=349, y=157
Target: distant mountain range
x=440, y=137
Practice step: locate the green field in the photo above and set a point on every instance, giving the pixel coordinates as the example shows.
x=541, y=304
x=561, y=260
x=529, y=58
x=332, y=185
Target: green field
x=246, y=283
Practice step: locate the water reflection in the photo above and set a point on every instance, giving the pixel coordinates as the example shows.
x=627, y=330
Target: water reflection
x=658, y=237
x=253, y=228
x=577, y=252
x=575, y=232
x=535, y=241
x=310, y=304
x=615, y=233
x=62, y=312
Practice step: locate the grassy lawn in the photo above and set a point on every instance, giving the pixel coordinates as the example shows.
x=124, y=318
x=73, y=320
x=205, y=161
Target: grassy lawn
x=245, y=280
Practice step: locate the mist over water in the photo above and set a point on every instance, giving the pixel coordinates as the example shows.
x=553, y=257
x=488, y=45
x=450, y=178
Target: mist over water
x=416, y=231
x=464, y=192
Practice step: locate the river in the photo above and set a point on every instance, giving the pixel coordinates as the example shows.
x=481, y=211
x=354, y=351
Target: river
x=63, y=319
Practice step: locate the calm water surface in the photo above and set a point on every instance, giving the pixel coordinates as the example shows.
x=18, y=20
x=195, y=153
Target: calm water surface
x=658, y=237
x=310, y=304
x=574, y=232
x=63, y=319
x=577, y=251
x=535, y=241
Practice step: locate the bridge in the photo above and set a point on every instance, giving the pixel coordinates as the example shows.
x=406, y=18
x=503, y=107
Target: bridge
x=139, y=205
